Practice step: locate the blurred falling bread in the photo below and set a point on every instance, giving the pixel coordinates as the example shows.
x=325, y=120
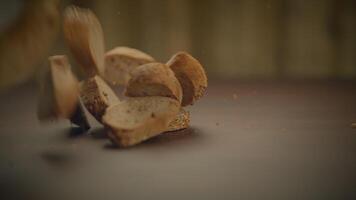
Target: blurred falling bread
x=26, y=41
x=121, y=61
x=84, y=36
x=97, y=96
x=191, y=76
x=59, y=91
x=181, y=121
x=154, y=79
x=139, y=118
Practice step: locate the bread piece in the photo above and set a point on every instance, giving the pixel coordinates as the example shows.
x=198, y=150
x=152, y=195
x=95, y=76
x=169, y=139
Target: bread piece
x=154, y=79
x=84, y=36
x=181, y=121
x=191, y=76
x=59, y=91
x=120, y=61
x=139, y=118
x=97, y=95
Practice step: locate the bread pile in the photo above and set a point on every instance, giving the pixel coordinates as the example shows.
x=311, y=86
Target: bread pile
x=156, y=92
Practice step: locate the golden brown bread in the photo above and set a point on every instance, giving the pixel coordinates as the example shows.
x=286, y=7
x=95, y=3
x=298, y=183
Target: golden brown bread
x=156, y=91
x=97, y=96
x=154, y=79
x=181, y=121
x=120, y=61
x=191, y=76
x=139, y=118
x=84, y=36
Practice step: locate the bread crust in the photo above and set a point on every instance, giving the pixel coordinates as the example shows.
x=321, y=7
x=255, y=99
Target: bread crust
x=84, y=36
x=97, y=96
x=154, y=79
x=191, y=76
x=130, y=52
x=121, y=61
x=181, y=121
x=150, y=121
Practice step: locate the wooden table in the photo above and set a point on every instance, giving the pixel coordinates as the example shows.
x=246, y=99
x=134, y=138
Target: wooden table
x=248, y=140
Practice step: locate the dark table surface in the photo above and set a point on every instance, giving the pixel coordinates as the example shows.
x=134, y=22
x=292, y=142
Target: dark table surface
x=248, y=140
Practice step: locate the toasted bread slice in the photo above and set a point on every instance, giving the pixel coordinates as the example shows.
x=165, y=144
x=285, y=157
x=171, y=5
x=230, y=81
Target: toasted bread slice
x=120, y=61
x=84, y=36
x=97, y=95
x=154, y=79
x=181, y=121
x=139, y=118
x=191, y=76
x=59, y=91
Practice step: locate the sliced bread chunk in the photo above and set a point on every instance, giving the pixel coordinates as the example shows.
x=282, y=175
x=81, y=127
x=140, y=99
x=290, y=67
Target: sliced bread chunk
x=97, y=96
x=139, y=118
x=181, y=121
x=191, y=76
x=59, y=90
x=120, y=61
x=84, y=36
x=154, y=79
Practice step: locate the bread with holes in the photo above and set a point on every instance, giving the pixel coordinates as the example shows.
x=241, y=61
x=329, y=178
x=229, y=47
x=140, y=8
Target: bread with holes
x=121, y=61
x=154, y=79
x=191, y=76
x=97, y=96
x=139, y=118
x=181, y=121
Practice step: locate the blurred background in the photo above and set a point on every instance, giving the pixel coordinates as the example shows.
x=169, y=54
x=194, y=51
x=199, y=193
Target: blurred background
x=240, y=39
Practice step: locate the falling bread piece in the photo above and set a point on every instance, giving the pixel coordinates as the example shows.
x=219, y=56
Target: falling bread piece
x=154, y=79
x=59, y=91
x=139, y=118
x=181, y=121
x=97, y=96
x=84, y=36
x=120, y=61
x=191, y=76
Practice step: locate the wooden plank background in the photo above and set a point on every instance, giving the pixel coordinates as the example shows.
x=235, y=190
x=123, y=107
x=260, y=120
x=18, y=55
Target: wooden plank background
x=242, y=38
